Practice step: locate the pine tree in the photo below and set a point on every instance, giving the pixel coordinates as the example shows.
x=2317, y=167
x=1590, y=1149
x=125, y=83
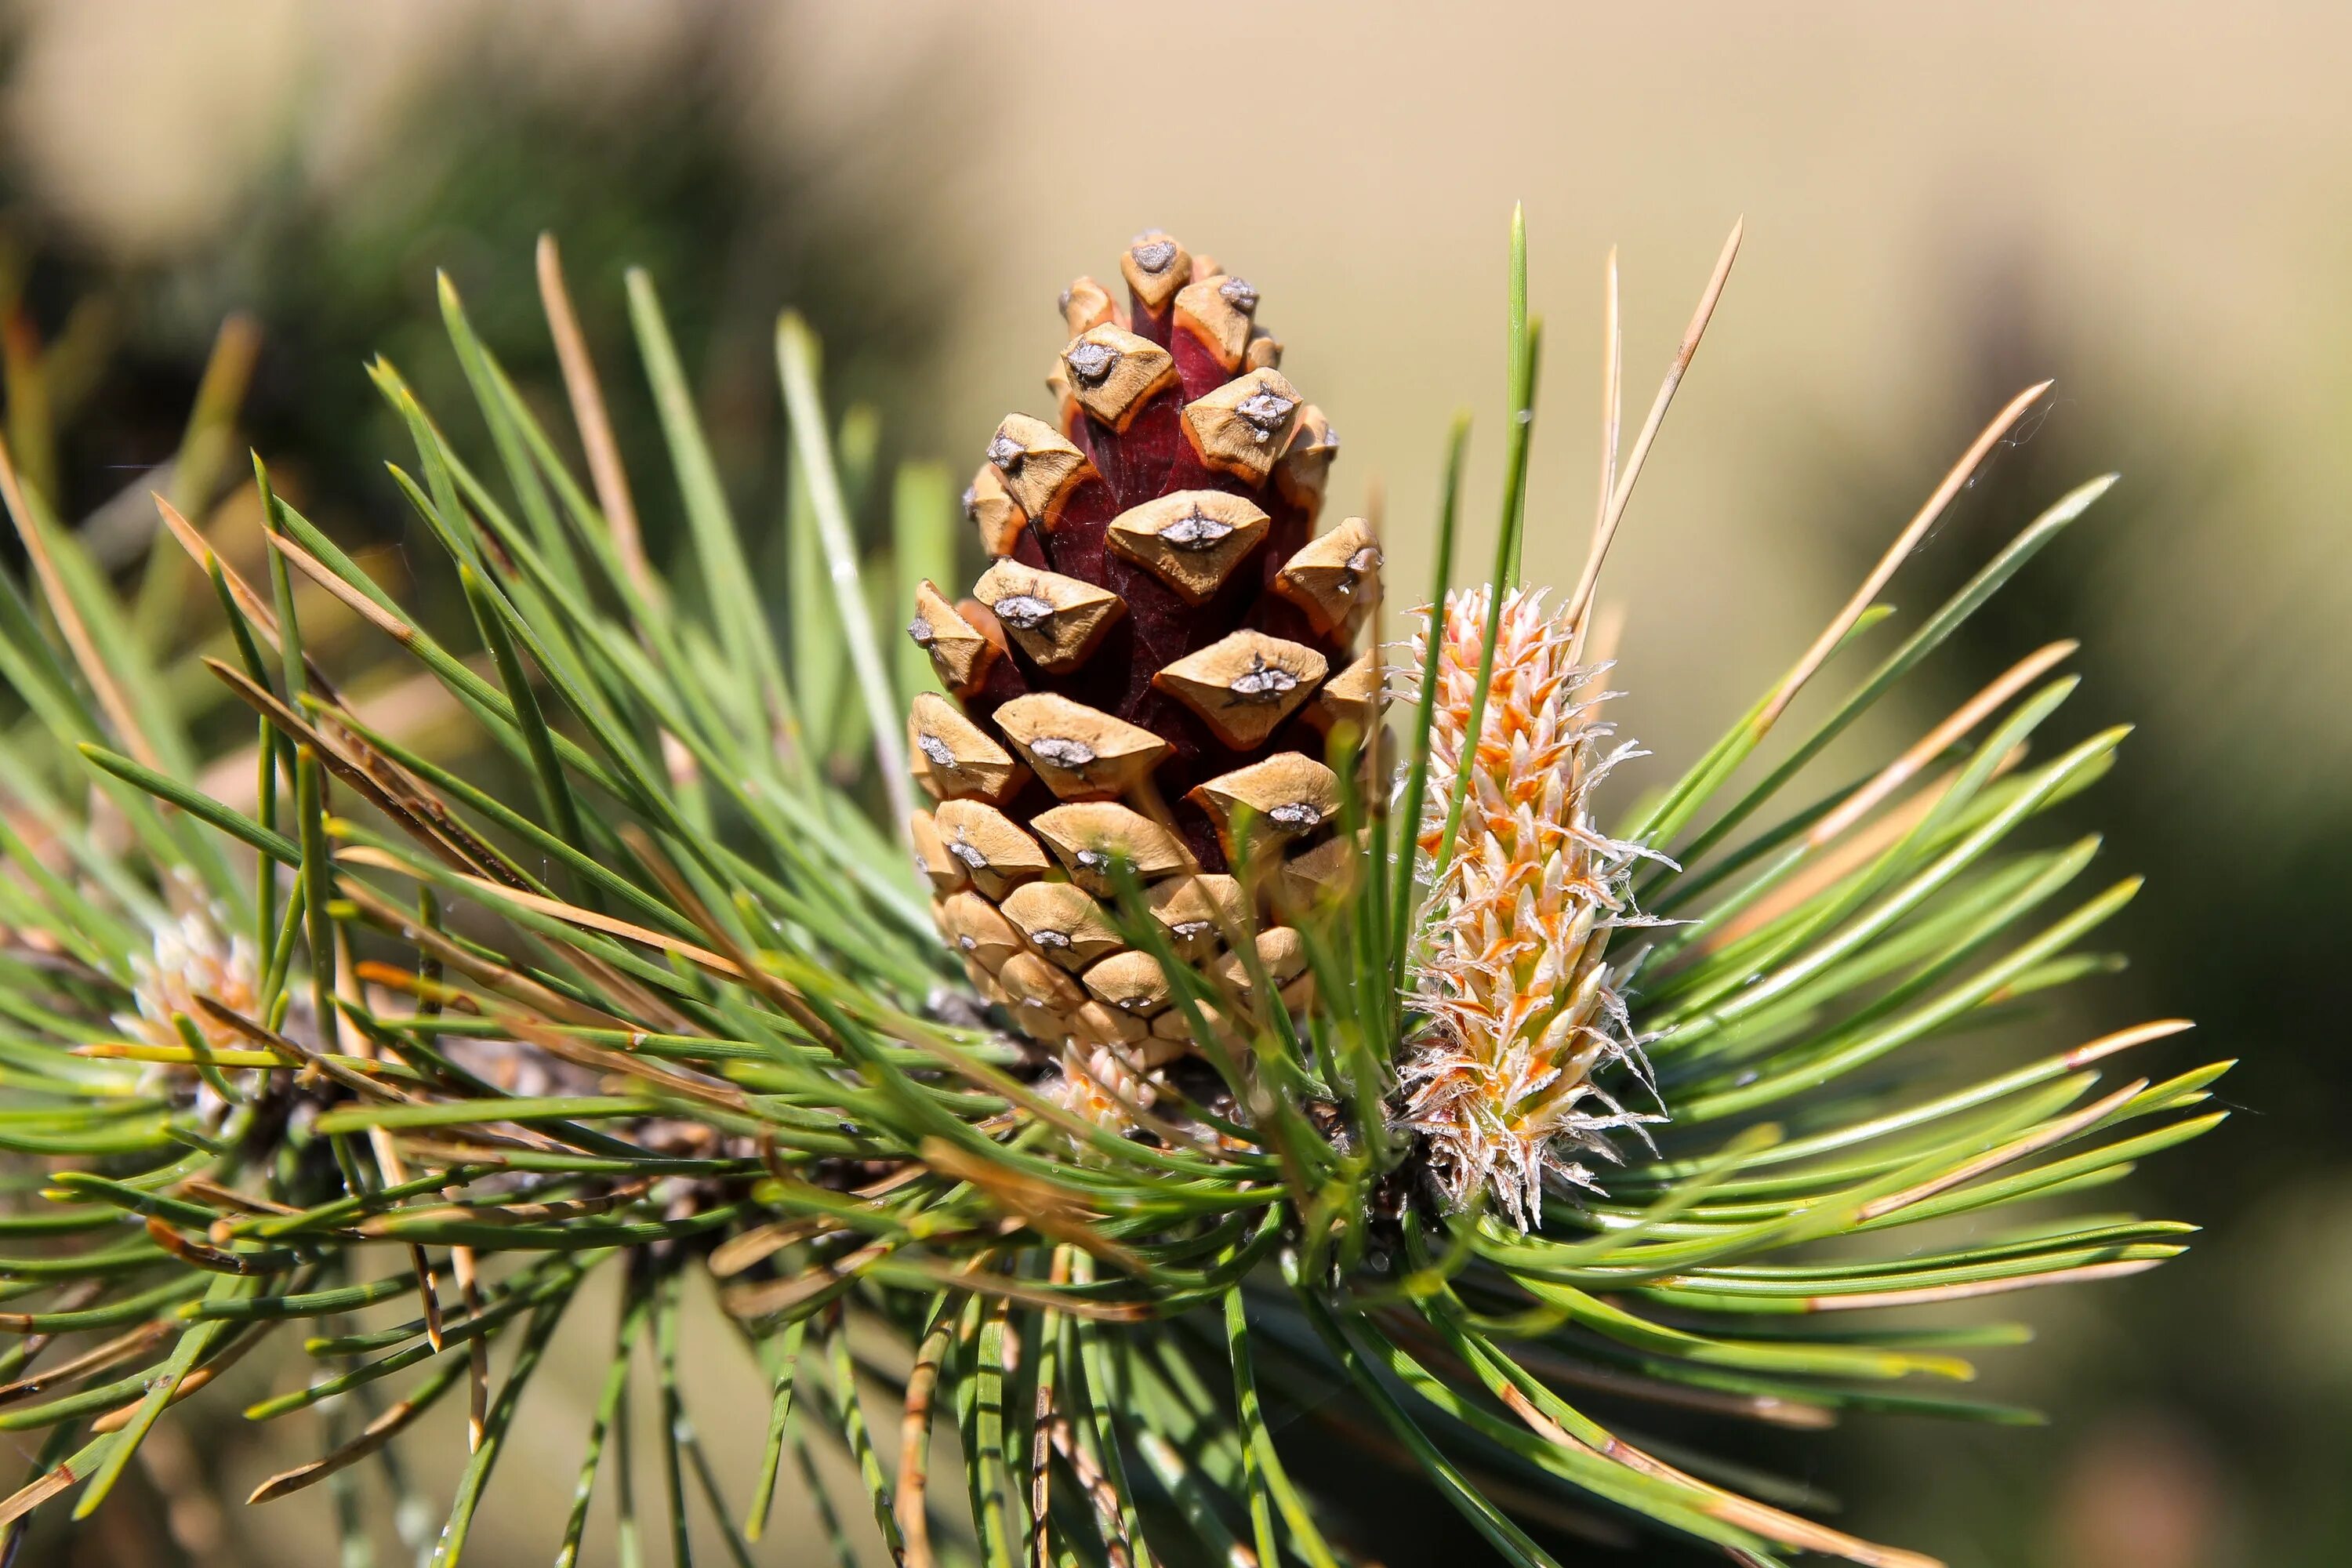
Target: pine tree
x=1507, y=1125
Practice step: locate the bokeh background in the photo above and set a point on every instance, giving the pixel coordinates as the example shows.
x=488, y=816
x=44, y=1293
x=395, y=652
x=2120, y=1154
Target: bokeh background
x=2152, y=203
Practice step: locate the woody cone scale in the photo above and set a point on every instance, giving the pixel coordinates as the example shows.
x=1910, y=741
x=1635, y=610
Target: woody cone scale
x=1151, y=669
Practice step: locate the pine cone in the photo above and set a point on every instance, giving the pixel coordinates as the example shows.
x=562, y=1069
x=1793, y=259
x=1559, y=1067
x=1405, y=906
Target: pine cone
x=1150, y=668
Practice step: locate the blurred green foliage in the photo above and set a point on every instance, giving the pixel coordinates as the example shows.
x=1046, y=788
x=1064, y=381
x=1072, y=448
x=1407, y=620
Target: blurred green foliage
x=653, y=169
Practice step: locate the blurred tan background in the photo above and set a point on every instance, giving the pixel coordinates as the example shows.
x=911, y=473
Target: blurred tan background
x=1944, y=202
